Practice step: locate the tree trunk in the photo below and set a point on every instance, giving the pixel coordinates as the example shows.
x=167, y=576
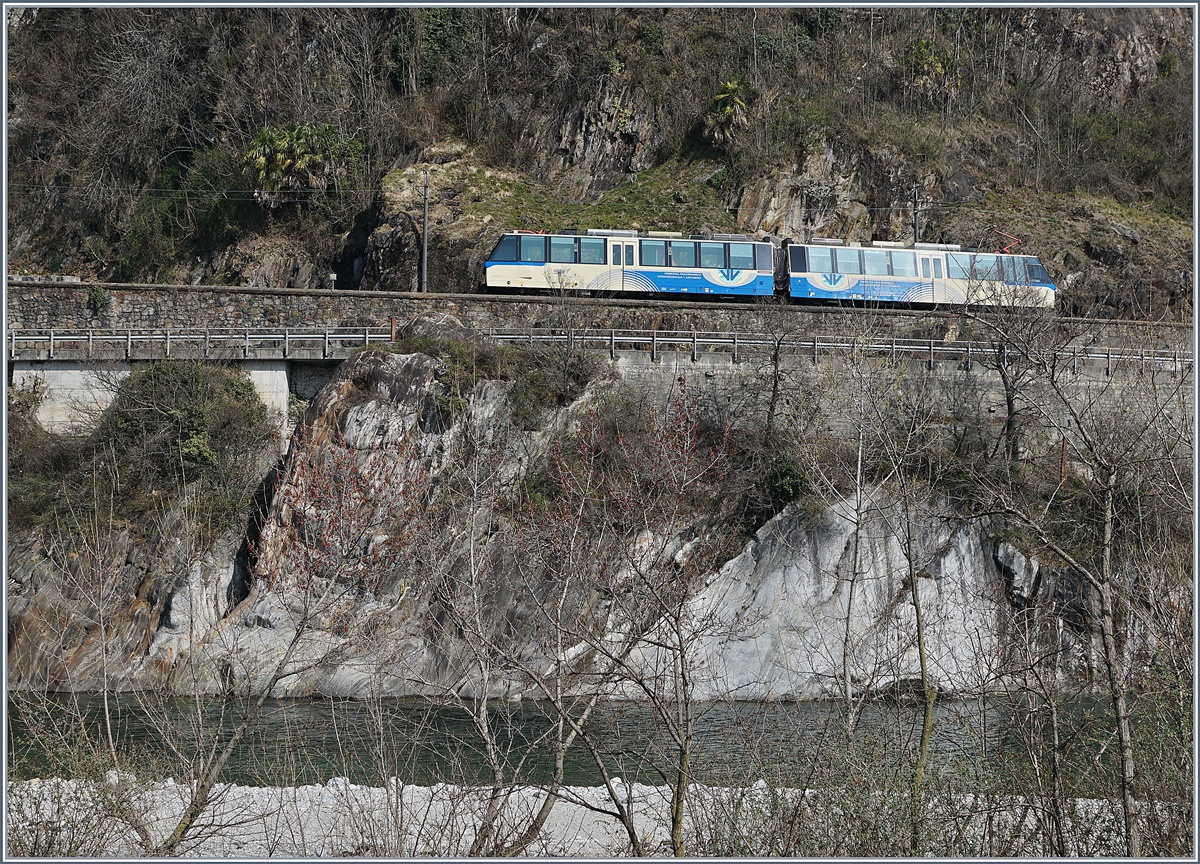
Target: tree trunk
x=929, y=692
x=1116, y=677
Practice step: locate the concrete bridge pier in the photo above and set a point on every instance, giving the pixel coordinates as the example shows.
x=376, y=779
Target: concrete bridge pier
x=270, y=379
x=72, y=394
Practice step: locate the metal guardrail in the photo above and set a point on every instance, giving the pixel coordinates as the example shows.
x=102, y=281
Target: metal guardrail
x=261, y=343
x=208, y=343
x=930, y=350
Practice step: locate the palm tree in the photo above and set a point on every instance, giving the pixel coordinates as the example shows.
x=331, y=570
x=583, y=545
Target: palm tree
x=297, y=158
x=728, y=113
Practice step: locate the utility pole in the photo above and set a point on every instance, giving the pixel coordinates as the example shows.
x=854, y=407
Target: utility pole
x=916, y=220
x=423, y=284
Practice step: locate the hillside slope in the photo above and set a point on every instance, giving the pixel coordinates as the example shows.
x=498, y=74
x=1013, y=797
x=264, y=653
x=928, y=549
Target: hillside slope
x=277, y=146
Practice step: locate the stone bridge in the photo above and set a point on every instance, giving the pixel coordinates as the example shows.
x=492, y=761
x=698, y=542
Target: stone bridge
x=76, y=340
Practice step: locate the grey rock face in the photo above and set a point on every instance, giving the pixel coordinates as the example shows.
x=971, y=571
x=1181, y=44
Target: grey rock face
x=814, y=606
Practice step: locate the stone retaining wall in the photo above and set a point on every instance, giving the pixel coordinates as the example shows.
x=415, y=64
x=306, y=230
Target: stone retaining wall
x=72, y=306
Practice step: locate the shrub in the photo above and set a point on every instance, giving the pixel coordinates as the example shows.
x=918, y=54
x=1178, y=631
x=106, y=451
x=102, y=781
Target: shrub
x=171, y=423
x=541, y=379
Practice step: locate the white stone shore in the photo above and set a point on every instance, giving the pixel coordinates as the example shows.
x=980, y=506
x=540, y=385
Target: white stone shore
x=340, y=819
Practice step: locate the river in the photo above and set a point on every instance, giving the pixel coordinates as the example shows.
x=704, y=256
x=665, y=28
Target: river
x=299, y=741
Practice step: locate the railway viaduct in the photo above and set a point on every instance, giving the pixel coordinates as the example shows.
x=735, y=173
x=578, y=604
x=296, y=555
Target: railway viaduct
x=74, y=339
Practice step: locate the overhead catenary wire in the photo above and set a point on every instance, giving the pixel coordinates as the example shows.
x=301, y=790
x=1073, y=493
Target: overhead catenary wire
x=250, y=195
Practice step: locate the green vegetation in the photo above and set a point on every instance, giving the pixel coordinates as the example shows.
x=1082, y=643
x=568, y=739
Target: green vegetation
x=172, y=425
x=307, y=157
x=38, y=463
x=675, y=196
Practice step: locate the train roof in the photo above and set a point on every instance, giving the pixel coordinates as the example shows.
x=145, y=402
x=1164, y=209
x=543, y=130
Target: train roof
x=647, y=235
x=893, y=244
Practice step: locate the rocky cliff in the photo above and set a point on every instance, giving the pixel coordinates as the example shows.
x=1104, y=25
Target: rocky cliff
x=415, y=543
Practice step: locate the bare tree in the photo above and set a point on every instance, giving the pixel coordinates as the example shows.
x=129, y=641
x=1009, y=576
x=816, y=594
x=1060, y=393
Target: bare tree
x=1087, y=511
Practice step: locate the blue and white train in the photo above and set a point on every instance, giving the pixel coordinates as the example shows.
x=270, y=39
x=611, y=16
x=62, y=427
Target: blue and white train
x=926, y=273
x=613, y=262
x=603, y=263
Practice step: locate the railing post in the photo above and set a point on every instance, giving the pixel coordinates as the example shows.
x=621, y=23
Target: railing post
x=814, y=350
x=612, y=345
x=89, y=344
x=128, y=344
x=693, y=346
x=1074, y=360
x=893, y=360
x=366, y=337
x=325, y=353
x=1108, y=364
x=206, y=343
x=653, y=345
x=968, y=356
x=287, y=346
x=931, y=354
x=246, y=345
x=393, y=328
x=168, y=343
x=735, y=348
x=51, y=344
x=13, y=342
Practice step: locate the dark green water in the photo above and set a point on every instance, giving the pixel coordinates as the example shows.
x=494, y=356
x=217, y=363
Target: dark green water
x=311, y=740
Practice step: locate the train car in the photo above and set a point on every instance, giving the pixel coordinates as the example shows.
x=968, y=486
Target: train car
x=926, y=273
x=613, y=262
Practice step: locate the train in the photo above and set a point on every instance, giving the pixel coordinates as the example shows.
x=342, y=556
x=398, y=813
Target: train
x=615, y=262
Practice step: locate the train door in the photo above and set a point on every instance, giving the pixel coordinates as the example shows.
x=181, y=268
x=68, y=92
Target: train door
x=621, y=254
x=931, y=272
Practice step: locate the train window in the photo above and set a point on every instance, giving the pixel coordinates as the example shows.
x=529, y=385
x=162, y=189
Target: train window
x=562, y=250
x=875, y=262
x=683, y=254
x=533, y=248
x=741, y=256
x=1013, y=268
x=506, y=249
x=937, y=268
x=628, y=254
x=958, y=266
x=848, y=260
x=1037, y=273
x=654, y=253
x=925, y=268
x=593, y=250
x=904, y=264
x=712, y=255
x=796, y=262
x=820, y=259
x=766, y=261
x=985, y=267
